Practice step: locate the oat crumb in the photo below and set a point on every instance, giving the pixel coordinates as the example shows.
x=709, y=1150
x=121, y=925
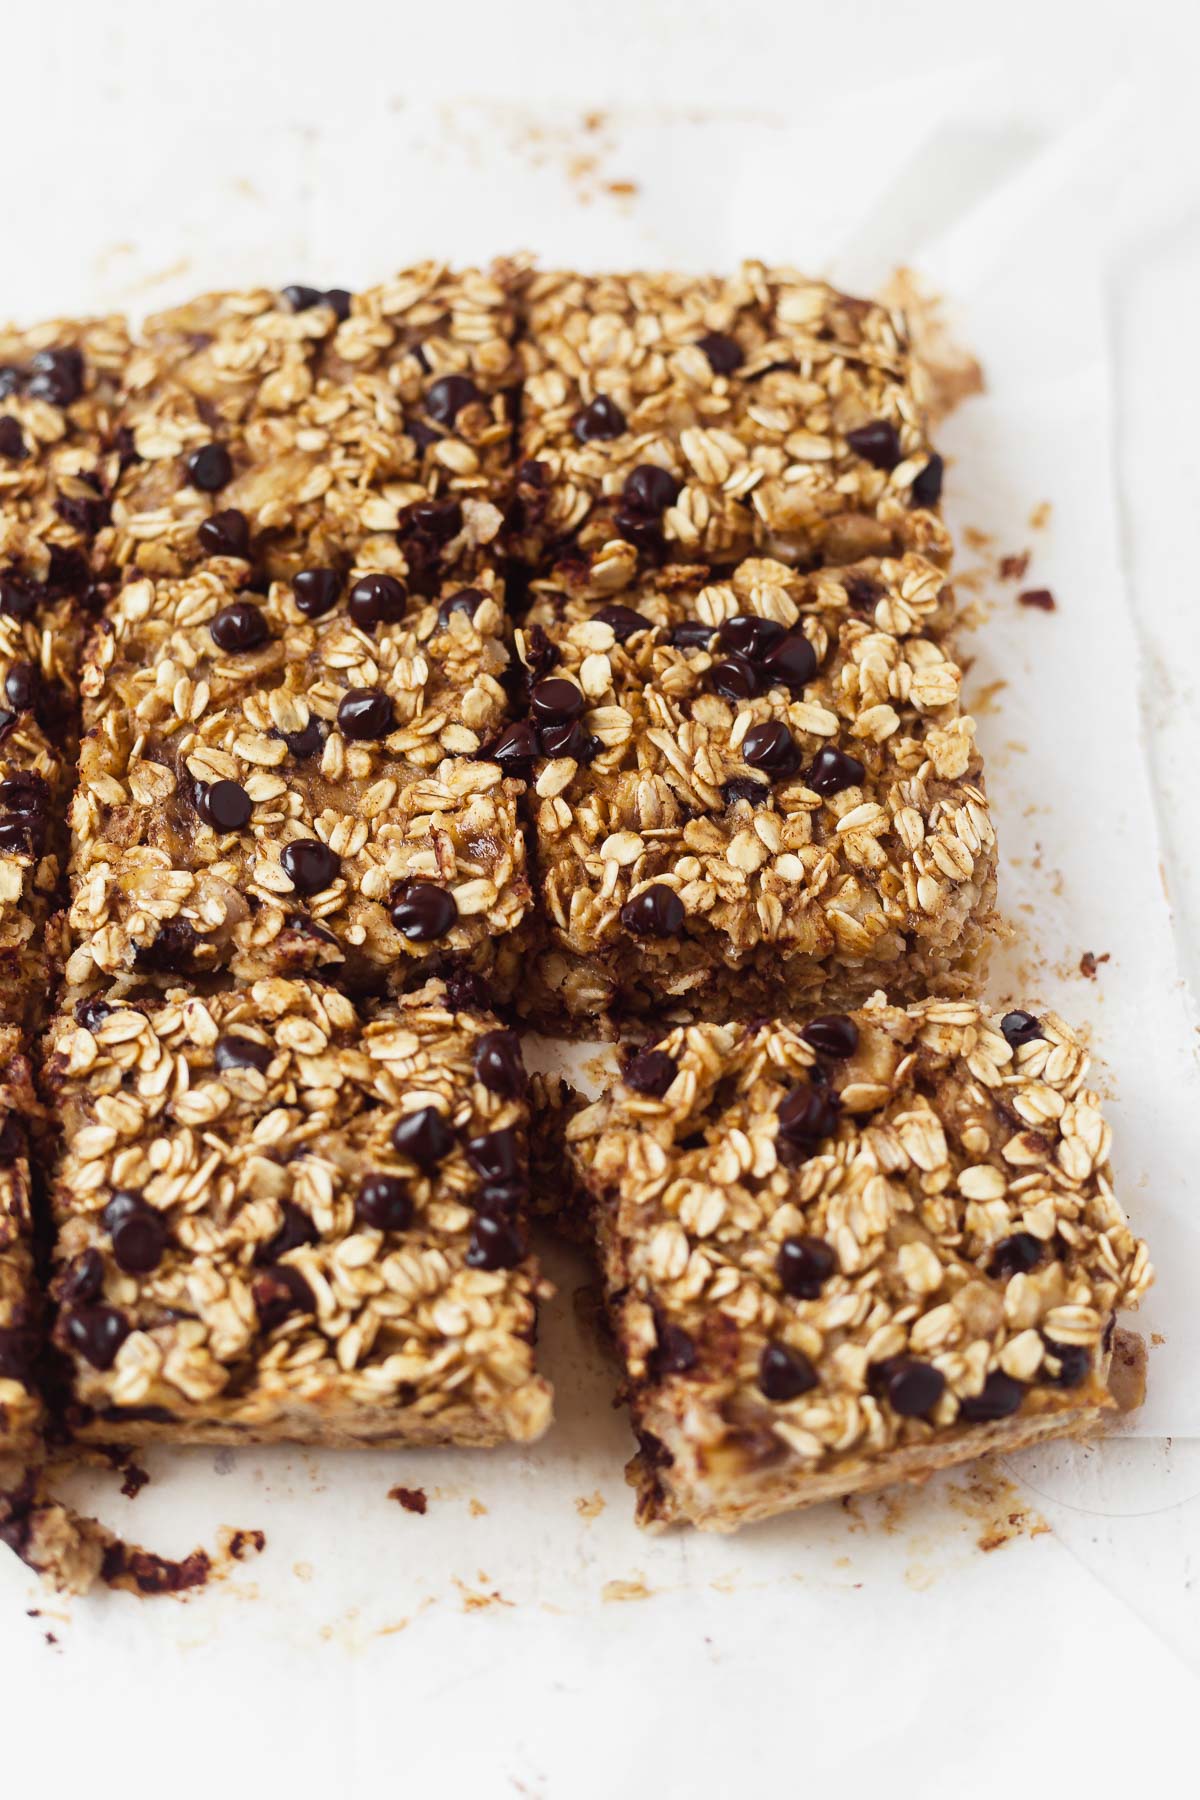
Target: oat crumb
x=1040, y=599
x=413, y=1500
x=590, y=1506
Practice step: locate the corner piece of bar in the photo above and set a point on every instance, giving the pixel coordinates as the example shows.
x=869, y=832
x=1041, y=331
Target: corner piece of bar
x=853, y=1253
x=276, y=1221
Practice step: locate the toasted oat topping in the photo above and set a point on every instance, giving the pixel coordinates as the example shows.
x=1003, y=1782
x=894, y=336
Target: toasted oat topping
x=20, y=1299
x=831, y=1252
x=705, y=419
x=771, y=765
x=272, y=1214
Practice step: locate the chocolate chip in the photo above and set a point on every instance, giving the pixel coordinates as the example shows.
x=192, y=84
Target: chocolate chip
x=516, y=749
x=210, y=468
x=224, y=804
x=877, y=443
x=306, y=742
x=385, y=1203
x=84, y=1278
x=316, y=591
x=744, y=787
x=439, y=520
x=499, y=1064
x=675, y=1352
x=12, y=444
x=772, y=747
x=804, y=1265
x=724, y=353
x=19, y=1346
x=239, y=627
x=834, y=1035
x=97, y=1333
x=56, y=376
x=910, y=1387
x=447, y=397
x=365, y=714
x=377, y=600
x=424, y=1136
x=1016, y=1255
x=19, y=599
x=338, y=300
x=423, y=911
x=138, y=1232
x=173, y=951
x=600, y=418
x=927, y=488
x=862, y=594
x=809, y=1113
x=296, y=1230
x=833, y=770
x=1001, y=1397
x=25, y=793
x=11, y=378
x=227, y=533
x=235, y=1051
x=622, y=621
x=749, y=635
x=85, y=514
x=467, y=601
x=92, y=1013
x=651, y=1072
x=555, y=702
x=566, y=740
x=19, y=838
x=734, y=678
x=299, y=297
x=657, y=912
x=21, y=686
x=1020, y=1028
x=792, y=662
x=1074, y=1364
x=495, y=1156
x=649, y=490
x=692, y=634
x=496, y=1243
x=12, y=1139
x=784, y=1373
x=310, y=865
x=279, y=1291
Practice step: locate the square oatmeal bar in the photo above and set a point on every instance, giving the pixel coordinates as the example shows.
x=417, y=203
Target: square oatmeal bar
x=276, y=1221
x=751, y=795
x=283, y=781
x=853, y=1253
x=698, y=419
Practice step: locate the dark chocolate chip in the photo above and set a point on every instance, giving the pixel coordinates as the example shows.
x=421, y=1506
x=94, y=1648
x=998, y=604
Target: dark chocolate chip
x=556, y=701
x=1074, y=1364
x=338, y=300
x=495, y=1156
x=1016, y=1255
x=467, y=601
x=744, y=787
x=675, y=1352
x=447, y=397
x=649, y=490
x=25, y=793
x=279, y=1291
x=516, y=748
x=12, y=444
x=296, y=1230
x=239, y=627
x=833, y=1035
x=862, y=594
x=877, y=443
x=11, y=378
x=809, y=1113
x=499, y=1064
x=439, y=520
x=724, y=353
x=235, y=1051
x=97, y=1333
x=377, y=600
x=622, y=621
x=300, y=297
x=173, y=951
x=785, y=1373
x=224, y=804
x=86, y=513
x=385, y=1203
x=92, y=1013
x=1001, y=1397
x=138, y=1232
x=566, y=740
x=749, y=635
x=84, y=1278
x=735, y=678
x=19, y=599
x=792, y=662
x=56, y=376
x=306, y=742
x=600, y=418
x=1020, y=1028
x=651, y=1072
x=22, y=686
x=772, y=748
x=310, y=865
x=423, y=911
x=692, y=634
x=927, y=488
x=657, y=912
x=832, y=770
x=316, y=591
x=496, y=1243
x=424, y=1136
x=210, y=468
x=804, y=1265
x=910, y=1387
x=227, y=533
x=12, y=1139
x=365, y=714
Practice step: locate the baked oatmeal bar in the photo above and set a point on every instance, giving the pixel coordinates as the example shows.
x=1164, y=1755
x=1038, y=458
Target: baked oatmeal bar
x=285, y=781
x=275, y=1221
x=20, y=1297
x=853, y=1253
x=702, y=419
x=301, y=429
x=752, y=795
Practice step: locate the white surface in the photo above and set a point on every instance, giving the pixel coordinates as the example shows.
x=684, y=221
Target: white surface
x=154, y=151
